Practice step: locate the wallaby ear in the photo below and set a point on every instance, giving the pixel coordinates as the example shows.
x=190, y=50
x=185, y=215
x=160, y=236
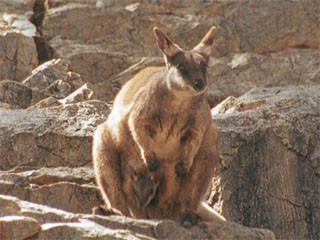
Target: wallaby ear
x=166, y=45
x=205, y=44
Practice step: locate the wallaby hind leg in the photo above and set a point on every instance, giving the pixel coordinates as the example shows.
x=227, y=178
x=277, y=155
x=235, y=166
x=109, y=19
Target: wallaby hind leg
x=107, y=166
x=196, y=183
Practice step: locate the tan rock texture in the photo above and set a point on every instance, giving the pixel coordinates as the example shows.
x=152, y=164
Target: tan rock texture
x=18, y=95
x=58, y=224
x=18, y=56
x=269, y=138
x=120, y=37
x=18, y=227
x=56, y=77
x=52, y=137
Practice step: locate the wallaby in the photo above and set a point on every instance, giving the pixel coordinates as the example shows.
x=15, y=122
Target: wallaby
x=161, y=119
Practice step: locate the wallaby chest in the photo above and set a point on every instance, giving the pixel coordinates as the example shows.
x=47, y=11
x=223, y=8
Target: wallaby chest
x=168, y=126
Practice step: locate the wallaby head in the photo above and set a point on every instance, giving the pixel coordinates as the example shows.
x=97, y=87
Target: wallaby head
x=145, y=186
x=186, y=69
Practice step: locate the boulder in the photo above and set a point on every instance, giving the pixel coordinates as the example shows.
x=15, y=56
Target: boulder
x=269, y=138
x=52, y=137
x=18, y=56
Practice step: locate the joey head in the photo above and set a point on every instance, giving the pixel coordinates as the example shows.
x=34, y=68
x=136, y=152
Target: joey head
x=144, y=188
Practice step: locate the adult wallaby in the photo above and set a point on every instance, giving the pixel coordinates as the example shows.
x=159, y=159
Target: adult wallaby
x=161, y=119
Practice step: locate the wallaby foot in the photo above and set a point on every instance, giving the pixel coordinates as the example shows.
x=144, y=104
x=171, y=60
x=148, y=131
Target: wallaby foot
x=190, y=219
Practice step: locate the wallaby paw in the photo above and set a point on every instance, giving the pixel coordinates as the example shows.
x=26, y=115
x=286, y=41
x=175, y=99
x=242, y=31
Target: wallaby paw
x=105, y=211
x=181, y=169
x=153, y=164
x=189, y=220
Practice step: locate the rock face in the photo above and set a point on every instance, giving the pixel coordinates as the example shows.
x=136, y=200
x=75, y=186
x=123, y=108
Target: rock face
x=237, y=74
x=270, y=143
x=99, y=52
x=264, y=72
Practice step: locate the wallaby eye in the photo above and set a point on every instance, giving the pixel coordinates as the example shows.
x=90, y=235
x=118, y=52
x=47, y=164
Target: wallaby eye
x=198, y=84
x=182, y=69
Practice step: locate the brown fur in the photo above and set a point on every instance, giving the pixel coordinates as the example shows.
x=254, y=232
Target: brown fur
x=161, y=121
x=140, y=188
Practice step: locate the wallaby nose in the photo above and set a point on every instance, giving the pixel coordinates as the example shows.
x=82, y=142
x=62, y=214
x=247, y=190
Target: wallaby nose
x=198, y=85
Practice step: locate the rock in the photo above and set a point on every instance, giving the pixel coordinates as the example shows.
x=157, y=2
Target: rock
x=16, y=6
x=45, y=176
x=94, y=63
x=48, y=185
x=9, y=206
x=18, y=56
x=236, y=231
x=66, y=196
x=53, y=78
x=245, y=26
x=265, y=27
x=58, y=89
x=20, y=24
x=42, y=213
x=116, y=82
x=84, y=230
x=18, y=95
x=81, y=94
x=269, y=136
x=5, y=105
x=47, y=74
x=101, y=54
x=45, y=103
x=97, y=51
x=74, y=80
x=18, y=227
x=269, y=140
x=236, y=75
x=52, y=137
x=293, y=24
x=60, y=224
